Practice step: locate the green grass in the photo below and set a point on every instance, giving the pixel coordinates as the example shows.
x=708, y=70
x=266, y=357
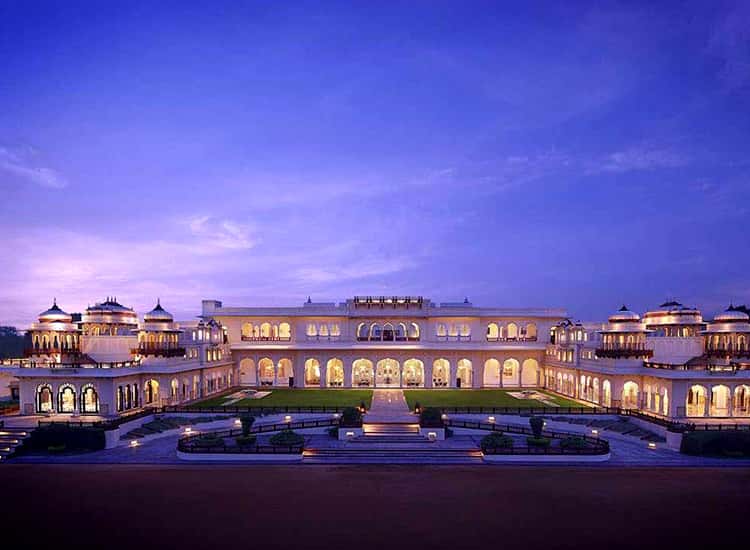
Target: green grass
x=292, y=397
x=478, y=398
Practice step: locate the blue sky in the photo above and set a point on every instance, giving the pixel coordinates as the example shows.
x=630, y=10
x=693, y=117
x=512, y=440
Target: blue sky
x=567, y=154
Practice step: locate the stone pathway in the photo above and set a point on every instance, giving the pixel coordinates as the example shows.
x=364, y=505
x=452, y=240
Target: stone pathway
x=389, y=406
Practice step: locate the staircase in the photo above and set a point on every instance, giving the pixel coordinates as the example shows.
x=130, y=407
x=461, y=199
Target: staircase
x=10, y=440
x=391, y=443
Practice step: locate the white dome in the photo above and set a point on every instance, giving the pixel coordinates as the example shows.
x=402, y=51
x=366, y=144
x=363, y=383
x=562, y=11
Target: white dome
x=731, y=315
x=624, y=315
x=55, y=314
x=158, y=314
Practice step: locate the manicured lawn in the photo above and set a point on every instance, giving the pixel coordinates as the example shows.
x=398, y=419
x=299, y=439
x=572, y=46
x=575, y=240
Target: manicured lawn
x=478, y=398
x=288, y=397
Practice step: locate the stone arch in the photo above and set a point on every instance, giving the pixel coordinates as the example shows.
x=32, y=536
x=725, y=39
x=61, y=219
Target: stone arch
x=248, y=373
x=721, y=400
x=441, y=373
x=511, y=370
x=630, y=395
x=66, y=399
x=266, y=372
x=695, y=401
x=335, y=373
x=388, y=373
x=464, y=373
x=284, y=372
x=530, y=373
x=312, y=373
x=511, y=331
x=363, y=373
x=413, y=373
x=491, y=376
x=44, y=399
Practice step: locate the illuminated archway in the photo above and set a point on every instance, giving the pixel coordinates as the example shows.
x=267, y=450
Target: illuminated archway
x=312, y=373
x=248, y=375
x=388, y=374
x=413, y=373
x=695, y=402
x=510, y=372
x=266, y=370
x=492, y=372
x=284, y=372
x=335, y=373
x=464, y=373
x=530, y=373
x=44, y=399
x=630, y=395
x=720, y=400
x=441, y=373
x=362, y=373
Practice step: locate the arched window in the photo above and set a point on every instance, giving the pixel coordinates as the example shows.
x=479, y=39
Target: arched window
x=388, y=332
x=512, y=331
x=413, y=373
x=66, y=399
x=335, y=373
x=285, y=331
x=492, y=331
x=441, y=371
x=323, y=331
x=362, y=331
x=312, y=372
x=362, y=373
x=464, y=331
x=89, y=400
x=265, y=330
x=248, y=330
x=266, y=370
x=312, y=330
x=413, y=331
x=400, y=332
x=531, y=331
x=44, y=399
x=376, y=333
x=464, y=373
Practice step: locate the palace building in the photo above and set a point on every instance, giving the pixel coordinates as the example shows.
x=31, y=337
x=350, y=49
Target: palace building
x=107, y=361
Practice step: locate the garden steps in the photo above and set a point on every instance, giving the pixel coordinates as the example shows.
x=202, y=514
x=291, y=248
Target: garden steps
x=10, y=440
x=412, y=455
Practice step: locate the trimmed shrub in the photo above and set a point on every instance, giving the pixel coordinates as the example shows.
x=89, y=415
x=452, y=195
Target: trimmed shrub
x=716, y=443
x=287, y=438
x=496, y=440
x=208, y=441
x=351, y=418
x=246, y=440
x=431, y=417
x=541, y=442
x=73, y=438
x=247, y=421
x=417, y=407
x=573, y=443
x=537, y=424
x=333, y=431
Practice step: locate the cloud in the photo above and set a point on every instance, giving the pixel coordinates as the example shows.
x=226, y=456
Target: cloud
x=25, y=166
x=635, y=159
x=226, y=234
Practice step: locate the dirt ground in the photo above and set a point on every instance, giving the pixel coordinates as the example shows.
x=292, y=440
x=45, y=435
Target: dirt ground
x=362, y=507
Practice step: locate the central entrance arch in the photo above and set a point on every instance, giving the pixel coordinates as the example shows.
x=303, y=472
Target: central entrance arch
x=388, y=374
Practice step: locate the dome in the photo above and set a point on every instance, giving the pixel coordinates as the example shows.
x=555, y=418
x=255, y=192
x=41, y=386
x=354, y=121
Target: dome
x=732, y=315
x=55, y=314
x=158, y=314
x=110, y=305
x=624, y=315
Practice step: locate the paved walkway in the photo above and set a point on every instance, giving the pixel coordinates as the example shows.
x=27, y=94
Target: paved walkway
x=389, y=406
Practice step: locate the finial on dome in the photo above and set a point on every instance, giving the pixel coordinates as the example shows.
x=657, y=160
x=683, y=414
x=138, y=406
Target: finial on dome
x=466, y=300
x=158, y=301
x=624, y=308
x=309, y=301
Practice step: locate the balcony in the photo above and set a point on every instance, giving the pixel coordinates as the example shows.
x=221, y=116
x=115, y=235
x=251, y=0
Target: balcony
x=624, y=351
x=728, y=350
x=266, y=338
x=47, y=350
x=511, y=339
x=159, y=350
x=453, y=337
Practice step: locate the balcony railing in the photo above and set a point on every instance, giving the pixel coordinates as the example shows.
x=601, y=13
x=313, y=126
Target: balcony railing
x=266, y=338
x=453, y=337
x=511, y=339
x=618, y=351
x=322, y=338
x=159, y=350
x=42, y=350
x=388, y=339
x=729, y=350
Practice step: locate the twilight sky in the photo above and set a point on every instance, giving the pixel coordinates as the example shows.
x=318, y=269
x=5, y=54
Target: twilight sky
x=569, y=154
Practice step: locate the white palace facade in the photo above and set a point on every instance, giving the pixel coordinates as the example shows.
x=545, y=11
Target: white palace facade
x=669, y=363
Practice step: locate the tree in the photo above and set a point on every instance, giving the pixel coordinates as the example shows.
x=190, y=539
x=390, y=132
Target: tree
x=11, y=343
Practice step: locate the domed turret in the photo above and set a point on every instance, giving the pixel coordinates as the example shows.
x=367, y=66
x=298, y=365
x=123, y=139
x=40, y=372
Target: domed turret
x=55, y=315
x=158, y=315
x=732, y=315
x=624, y=315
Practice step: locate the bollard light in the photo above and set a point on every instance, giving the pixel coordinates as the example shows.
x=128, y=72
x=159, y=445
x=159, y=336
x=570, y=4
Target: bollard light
x=594, y=432
x=491, y=419
x=134, y=443
x=287, y=418
x=349, y=435
x=651, y=445
x=444, y=416
x=188, y=430
x=237, y=422
x=432, y=436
